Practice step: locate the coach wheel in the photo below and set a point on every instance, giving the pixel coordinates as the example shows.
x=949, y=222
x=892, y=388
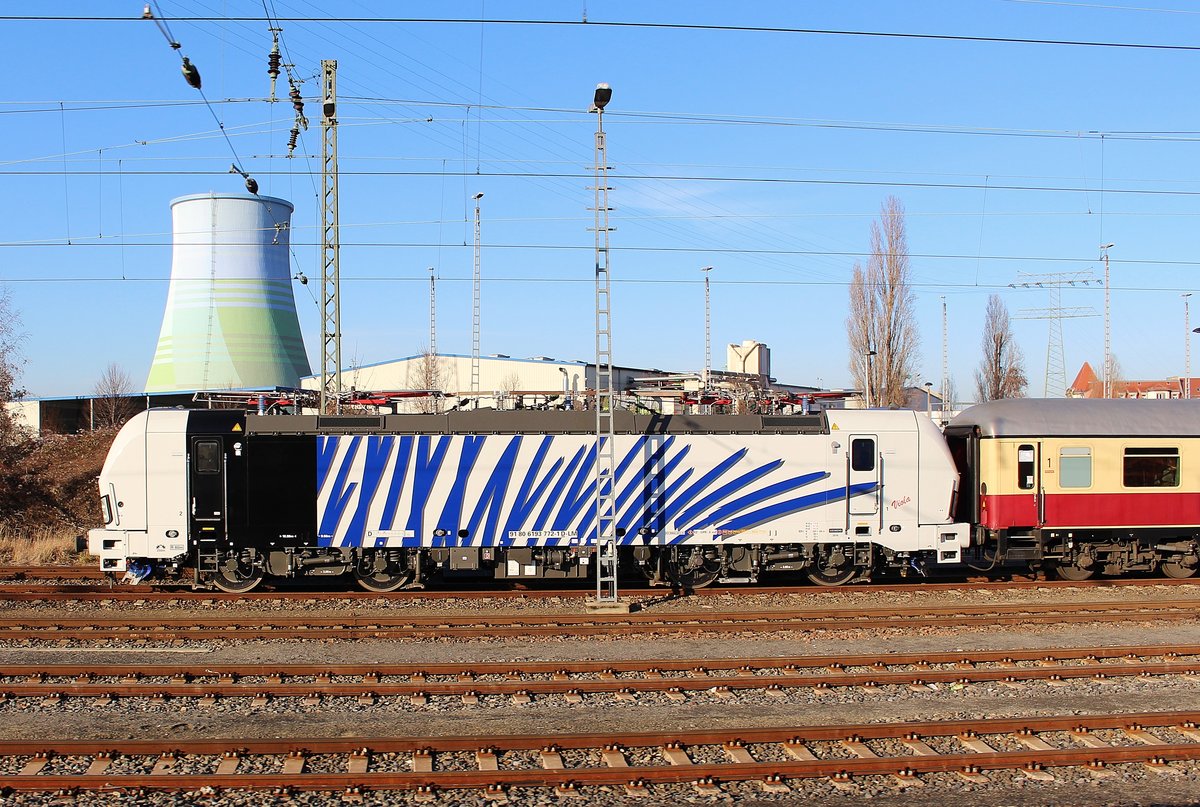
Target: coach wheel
x=237, y=572
x=381, y=571
x=1176, y=569
x=696, y=568
x=1075, y=573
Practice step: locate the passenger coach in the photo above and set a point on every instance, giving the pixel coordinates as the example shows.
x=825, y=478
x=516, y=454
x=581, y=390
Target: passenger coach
x=1082, y=487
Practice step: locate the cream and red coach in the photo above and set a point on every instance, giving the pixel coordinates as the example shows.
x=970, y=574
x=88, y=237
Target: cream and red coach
x=1082, y=486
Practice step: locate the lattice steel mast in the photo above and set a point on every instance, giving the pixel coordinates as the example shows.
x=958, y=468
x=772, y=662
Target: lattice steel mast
x=945, y=365
x=331, y=278
x=475, y=308
x=606, y=513
x=432, y=314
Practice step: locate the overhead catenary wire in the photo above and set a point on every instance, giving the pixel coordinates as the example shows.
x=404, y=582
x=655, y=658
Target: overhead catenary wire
x=665, y=26
x=664, y=178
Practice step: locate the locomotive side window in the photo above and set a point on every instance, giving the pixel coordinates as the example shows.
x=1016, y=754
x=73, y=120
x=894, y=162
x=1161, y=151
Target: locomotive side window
x=1025, y=467
x=862, y=454
x=1075, y=467
x=1151, y=467
x=207, y=457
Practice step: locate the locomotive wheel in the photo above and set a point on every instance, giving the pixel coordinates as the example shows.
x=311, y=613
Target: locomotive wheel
x=237, y=573
x=1172, y=568
x=1075, y=573
x=380, y=571
x=832, y=567
x=832, y=576
x=695, y=569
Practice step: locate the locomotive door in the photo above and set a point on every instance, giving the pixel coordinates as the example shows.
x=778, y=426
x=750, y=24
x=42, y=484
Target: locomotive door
x=862, y=476
x=206, y=483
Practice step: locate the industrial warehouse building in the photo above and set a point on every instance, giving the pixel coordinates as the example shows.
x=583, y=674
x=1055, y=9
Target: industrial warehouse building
x=506, y=382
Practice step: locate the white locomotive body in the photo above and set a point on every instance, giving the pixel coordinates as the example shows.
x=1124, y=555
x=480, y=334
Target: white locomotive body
x=397, y=499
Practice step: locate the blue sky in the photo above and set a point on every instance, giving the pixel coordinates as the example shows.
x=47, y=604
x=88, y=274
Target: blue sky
x=763, y=154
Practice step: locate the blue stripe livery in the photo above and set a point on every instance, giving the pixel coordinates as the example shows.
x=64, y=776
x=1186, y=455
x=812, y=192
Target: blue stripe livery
x=540, y=490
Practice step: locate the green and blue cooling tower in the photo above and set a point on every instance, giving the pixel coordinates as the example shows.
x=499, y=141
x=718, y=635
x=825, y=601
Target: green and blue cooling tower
x=230, y=321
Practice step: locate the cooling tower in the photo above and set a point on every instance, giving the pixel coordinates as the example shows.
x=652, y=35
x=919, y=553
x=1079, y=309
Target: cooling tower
x=231, y=318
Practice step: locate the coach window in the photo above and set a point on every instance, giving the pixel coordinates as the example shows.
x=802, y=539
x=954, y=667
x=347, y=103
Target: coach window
x=1025, y=467
x=208, y=457
x=862, y=454
x=1151, y=468
x=1075, y=468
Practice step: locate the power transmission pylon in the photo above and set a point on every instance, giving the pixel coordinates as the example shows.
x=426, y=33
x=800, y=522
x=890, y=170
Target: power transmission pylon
x=1054, y=383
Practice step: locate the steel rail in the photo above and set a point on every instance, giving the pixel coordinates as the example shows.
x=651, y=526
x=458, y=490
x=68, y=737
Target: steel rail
x=358, y=625
x=289, y=589
x=840, y=661
x=275, y=689
x=224, y=681
x=51, y=573
x=614, y=769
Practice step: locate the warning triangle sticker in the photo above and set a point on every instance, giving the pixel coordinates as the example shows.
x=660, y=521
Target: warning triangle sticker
x=237, y=427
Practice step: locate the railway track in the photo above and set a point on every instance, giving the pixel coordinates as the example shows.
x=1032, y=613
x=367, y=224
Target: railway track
x=636, y=761
x=106, y=683
x=94, y=585
x=276, y=626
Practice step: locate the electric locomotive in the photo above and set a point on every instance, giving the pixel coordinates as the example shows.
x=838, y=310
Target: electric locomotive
x=225, y=498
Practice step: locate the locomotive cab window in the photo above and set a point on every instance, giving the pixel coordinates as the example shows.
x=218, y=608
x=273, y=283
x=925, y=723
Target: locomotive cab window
x=1075, y=467
x=1025, y=467
x=207, y=457
x=862, y=454
x=1151, y=468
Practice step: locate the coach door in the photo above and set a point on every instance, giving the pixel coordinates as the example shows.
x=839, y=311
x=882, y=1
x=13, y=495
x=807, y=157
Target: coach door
x=862, y=475
x=1030, y=499
x=206, y=482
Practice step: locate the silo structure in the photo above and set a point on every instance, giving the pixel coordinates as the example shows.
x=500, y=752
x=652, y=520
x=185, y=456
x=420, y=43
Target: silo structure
x=230, y=321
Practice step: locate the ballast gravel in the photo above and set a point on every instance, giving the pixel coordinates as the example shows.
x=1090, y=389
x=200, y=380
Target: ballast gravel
x=182, y=718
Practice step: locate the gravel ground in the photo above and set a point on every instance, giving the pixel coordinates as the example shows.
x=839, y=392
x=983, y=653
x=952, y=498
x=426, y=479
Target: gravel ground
x=345, y=717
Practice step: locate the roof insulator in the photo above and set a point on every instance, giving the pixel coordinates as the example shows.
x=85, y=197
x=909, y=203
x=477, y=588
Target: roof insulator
x=273, y=61
x=298, y=105
x=190, y=74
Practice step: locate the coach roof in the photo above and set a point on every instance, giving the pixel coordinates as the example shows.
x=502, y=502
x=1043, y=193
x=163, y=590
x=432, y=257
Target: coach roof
x=1065, y=417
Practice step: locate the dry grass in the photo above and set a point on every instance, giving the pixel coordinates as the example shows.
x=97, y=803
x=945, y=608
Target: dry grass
x=46, y=546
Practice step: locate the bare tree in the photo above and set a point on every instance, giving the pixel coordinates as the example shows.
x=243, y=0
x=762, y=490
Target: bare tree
x=881, y=327
x=427, y=373
x=508, y=387
x=11, y=361
x=1118, y=385
x=112, y=405
x=15, y=439
x=1001, y=372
